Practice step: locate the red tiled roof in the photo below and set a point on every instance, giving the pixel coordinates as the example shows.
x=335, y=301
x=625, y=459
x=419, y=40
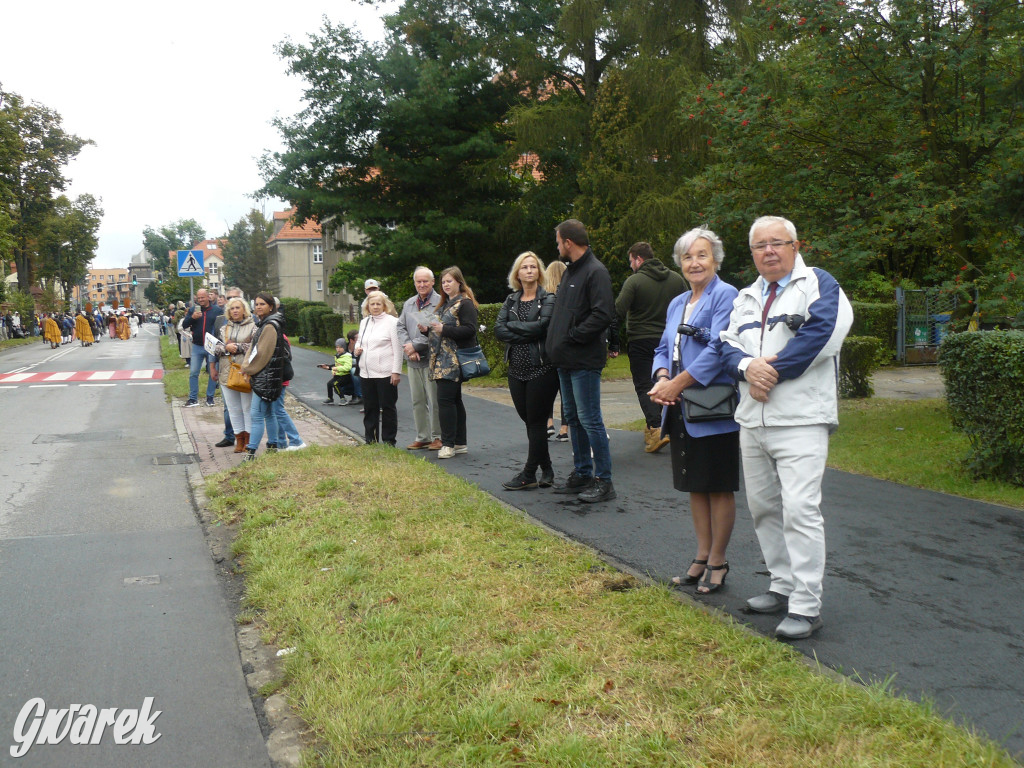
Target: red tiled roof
x=308, y=230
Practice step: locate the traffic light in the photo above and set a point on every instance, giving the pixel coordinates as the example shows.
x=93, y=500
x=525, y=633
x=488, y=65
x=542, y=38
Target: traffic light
x=135, y=279
x=159, y=277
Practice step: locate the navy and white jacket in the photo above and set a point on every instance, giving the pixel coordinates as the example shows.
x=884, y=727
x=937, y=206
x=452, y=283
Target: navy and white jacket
x=808, y=362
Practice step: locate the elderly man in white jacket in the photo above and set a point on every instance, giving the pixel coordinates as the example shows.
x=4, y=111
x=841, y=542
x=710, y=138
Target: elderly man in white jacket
x=783, y=344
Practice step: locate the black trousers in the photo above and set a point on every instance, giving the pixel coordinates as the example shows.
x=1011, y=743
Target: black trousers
x=451, y=412
x=533, y=400
x=342, y=385
x=380, y=411
x=641, y=359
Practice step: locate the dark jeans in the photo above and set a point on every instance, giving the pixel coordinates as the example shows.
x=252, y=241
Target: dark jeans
x=380, y=411
x=451, y=412
x=533, y=400
x=641, y=360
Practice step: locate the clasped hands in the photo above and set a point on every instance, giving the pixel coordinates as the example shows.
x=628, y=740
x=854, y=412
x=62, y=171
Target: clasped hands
x=761, y=377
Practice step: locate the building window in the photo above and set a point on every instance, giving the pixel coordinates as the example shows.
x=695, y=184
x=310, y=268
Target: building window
x=318, y=253
x=213, y=268
x=320, y=286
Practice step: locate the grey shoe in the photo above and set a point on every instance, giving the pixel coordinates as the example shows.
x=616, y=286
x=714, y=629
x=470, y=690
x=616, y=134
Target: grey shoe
x=599, y=490
x=769, y=602
x=797, y=627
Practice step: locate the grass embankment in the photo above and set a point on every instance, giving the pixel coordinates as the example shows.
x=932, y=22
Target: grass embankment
x=433, y=627
x=11, y=343
x=176, y=372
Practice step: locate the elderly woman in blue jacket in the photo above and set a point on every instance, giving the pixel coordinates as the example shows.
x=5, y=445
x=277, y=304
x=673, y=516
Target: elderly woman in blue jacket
x=705, y=454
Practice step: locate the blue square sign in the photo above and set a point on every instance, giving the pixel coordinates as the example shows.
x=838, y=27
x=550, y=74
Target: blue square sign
x=190, y=264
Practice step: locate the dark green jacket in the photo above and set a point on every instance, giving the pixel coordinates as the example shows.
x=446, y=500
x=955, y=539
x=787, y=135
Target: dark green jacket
x=645, y=297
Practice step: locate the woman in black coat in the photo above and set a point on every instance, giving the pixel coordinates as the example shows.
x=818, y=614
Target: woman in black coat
x=523, y=324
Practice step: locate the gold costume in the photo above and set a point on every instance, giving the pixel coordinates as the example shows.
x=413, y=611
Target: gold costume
x=83, y=330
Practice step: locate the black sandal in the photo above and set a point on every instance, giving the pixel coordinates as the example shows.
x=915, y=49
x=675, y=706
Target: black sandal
x=687, y=579
x=706, y=586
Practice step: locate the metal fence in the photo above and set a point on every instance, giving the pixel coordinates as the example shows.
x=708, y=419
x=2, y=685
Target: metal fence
x=922, y=322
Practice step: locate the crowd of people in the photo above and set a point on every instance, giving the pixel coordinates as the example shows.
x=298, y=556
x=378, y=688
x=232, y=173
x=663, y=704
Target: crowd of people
x=84, y=326
x=731, y=380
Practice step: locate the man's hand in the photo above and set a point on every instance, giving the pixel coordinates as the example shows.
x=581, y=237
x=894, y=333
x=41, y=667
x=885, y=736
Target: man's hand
x=410, y=350
x=759, y=394
x=761, y=374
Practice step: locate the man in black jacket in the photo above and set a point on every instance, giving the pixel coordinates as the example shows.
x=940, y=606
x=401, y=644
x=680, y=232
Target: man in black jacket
x=576, y=344
x=200, y=319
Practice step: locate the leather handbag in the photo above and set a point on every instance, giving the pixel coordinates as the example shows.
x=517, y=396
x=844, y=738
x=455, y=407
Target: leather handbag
x=473, y=362
x=236, y=379
x=711, y=403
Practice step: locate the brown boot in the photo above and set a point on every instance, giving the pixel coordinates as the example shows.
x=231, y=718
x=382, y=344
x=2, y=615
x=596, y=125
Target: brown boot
x=653, y=441
x=240, y=441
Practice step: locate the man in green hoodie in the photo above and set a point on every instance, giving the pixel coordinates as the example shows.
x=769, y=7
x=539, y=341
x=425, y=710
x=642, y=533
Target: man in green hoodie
x=643, y=302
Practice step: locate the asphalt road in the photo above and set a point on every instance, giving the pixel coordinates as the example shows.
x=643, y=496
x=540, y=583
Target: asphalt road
x=922, y=589
x=107, y=587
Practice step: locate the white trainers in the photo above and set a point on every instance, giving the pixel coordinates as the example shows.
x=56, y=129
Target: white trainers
x=461, y=449
x=298, y=447
x=446, y=452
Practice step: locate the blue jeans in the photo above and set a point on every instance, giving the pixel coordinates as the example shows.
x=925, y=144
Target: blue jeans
x=263, y=419
x=286, y=433
x=195, y=366
x=581, y=402
x=229, y=431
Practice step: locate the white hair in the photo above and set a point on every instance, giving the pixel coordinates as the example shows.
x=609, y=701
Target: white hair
x=684, y=243
x=764, y=221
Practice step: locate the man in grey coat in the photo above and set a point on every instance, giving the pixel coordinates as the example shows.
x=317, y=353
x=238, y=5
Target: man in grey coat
x=417, y=311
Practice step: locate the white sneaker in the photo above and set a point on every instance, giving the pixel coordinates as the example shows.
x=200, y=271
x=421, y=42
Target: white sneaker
x=298, y=447
x=446, y=452
x=461, y=449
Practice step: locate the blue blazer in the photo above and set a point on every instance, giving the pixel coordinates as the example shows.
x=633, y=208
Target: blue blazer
x=698, y=358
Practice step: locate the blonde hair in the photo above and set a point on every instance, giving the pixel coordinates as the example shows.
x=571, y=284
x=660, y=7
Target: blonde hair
x=389, y=306
x=513, y=276
x=464, y=289
x=553, y=275
x=246, y=312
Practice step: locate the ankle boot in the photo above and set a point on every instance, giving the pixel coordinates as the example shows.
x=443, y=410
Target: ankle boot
x=240, y=440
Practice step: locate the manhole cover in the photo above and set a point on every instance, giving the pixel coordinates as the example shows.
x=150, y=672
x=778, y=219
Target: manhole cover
x=175, y=458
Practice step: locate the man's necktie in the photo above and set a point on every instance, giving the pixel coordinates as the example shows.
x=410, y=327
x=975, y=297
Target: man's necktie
x=772, y=287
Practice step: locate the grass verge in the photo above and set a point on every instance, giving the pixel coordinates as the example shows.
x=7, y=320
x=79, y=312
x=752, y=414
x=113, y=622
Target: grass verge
x=176, y=372
x=435, y=627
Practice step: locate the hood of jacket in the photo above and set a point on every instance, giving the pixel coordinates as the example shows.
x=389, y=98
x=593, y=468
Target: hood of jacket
x=654, y=269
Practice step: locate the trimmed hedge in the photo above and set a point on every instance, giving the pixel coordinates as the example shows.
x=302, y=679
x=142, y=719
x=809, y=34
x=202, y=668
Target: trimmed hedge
x=878, y=320
x=311, y=325
x=334, y=327
x=984, y=376
x=291, y=309
x=494, y=349
x=860, y=357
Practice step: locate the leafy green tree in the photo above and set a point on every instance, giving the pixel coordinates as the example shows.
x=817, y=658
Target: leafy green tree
x=34, y=149
x=246, y=258
x=407, y=140
x=179, y=235
x=69, y=239
x=889, y=132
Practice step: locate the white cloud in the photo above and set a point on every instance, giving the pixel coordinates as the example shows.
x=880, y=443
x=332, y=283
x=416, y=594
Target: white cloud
x=178, y=98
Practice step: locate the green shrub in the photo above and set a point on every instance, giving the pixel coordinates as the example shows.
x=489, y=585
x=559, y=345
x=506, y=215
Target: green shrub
x=878, y=320
x=291, y=309
x=334, y=327
x=494, y=349
x=310, y=325
x=984, y=376
x=861, y=356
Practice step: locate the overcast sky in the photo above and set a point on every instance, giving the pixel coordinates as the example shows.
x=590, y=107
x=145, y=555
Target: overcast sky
x=177, y=96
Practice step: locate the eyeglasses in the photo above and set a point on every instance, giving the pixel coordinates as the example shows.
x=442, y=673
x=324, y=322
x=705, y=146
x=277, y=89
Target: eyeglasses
x=773, y=244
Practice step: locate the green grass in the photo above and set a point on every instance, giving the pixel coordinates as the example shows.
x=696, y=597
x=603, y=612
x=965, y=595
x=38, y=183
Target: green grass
x=438, y=628
x=176, y=372
x=11, y=343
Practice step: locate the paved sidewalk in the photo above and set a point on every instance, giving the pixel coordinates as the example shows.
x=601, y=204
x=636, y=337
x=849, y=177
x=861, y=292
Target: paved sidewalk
x=205, y=426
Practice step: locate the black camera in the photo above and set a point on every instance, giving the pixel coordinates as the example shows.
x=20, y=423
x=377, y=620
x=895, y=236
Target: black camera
x=793, y=322
x=700, y=334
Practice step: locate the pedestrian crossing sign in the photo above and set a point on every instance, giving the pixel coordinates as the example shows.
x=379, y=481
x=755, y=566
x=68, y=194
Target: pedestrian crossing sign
x=190, y=264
